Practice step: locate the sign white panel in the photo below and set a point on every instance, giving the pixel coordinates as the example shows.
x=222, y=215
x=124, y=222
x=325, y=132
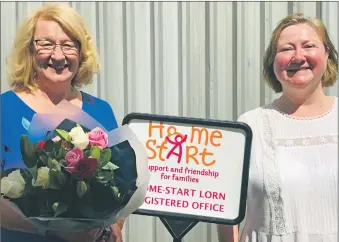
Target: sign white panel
x=199, y=168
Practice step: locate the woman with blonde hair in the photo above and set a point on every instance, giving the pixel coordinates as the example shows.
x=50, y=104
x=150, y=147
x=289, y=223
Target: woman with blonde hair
x=293, y=181
x=53, y=55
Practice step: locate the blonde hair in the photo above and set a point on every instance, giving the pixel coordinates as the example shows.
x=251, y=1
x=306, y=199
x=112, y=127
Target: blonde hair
x=330, y=76
x=21, y=71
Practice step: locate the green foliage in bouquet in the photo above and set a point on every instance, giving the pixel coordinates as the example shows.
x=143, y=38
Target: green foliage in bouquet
x=71, y=175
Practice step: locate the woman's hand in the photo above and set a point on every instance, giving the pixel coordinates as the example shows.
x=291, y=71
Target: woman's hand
x=116, y=232
x=116, y=235
x=228, y=233
x=85, y=236
x=93, y=235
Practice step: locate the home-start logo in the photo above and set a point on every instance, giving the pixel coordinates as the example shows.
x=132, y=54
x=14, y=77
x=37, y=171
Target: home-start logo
x=165, y=142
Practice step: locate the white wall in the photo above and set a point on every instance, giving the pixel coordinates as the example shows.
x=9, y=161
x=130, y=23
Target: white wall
x=180, y=58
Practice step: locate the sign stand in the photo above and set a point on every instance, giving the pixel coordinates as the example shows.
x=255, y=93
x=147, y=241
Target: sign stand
x=187, y=155
x=178, y=228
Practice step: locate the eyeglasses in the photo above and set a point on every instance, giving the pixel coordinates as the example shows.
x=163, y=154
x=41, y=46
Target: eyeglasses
x=47, y=47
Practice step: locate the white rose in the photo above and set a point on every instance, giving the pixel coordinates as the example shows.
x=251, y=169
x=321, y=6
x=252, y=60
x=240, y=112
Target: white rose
x=42, y=179
x=13, y=185
x=79, y=138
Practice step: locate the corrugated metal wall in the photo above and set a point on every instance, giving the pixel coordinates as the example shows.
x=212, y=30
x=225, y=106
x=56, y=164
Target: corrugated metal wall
x=180, y=58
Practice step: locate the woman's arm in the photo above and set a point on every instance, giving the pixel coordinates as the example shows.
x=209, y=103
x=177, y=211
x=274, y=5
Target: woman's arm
x=11, y=220
x=228, y=233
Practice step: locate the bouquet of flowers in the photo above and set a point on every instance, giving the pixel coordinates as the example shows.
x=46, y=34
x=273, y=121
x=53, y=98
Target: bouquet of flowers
x=78, y=177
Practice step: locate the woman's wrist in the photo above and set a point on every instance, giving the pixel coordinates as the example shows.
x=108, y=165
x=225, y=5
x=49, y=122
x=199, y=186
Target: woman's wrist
x=120, y=223
x=106, y=233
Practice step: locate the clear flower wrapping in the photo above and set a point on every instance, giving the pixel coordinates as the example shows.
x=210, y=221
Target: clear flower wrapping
x=77, y=176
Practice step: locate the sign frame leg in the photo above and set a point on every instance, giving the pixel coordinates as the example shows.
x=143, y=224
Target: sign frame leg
x=178, y=228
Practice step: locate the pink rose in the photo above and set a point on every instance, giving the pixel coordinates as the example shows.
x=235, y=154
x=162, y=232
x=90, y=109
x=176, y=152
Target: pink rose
x=98, y=137
x=56, y=139
x=72, y=158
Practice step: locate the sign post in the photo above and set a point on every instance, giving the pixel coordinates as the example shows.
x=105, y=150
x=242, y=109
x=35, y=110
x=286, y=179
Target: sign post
x=199, y=170
x=178, y=228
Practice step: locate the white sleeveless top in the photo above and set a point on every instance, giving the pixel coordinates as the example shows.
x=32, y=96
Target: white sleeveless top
x=293, y=182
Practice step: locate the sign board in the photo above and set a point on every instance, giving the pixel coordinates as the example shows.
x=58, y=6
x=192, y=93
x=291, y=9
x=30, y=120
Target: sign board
x=199, y=168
